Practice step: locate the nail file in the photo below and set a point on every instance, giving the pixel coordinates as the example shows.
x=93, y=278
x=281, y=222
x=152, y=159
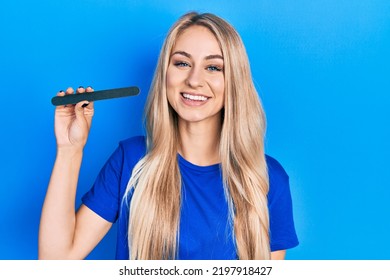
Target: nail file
x=94, y=96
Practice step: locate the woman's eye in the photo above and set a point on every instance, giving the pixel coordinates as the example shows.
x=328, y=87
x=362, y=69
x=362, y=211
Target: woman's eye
x=214, y=68
x=181, y=64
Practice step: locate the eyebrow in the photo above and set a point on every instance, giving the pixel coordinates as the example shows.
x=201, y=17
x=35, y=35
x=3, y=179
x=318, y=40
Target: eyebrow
x=211, y=56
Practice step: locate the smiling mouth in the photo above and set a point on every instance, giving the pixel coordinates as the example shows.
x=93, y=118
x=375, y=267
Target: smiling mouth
x=191, y=97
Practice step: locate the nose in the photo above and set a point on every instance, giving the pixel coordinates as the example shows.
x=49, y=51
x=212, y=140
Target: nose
x=195, y=77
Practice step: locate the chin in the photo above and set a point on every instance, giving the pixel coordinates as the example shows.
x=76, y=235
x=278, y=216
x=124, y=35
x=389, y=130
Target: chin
x=198, y=117
x=191, y=118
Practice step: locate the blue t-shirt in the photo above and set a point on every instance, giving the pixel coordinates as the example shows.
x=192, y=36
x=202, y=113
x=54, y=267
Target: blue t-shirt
x=205, y=232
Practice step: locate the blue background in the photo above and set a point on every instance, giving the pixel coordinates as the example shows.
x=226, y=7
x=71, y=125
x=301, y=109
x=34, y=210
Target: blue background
x=321, y=68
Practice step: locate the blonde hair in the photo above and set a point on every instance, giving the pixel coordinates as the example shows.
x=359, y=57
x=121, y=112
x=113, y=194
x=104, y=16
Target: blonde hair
x=156, y=181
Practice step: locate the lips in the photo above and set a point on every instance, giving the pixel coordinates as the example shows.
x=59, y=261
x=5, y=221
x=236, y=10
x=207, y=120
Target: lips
x=192, y=99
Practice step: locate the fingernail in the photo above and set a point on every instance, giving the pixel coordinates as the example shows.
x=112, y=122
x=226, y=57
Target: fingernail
x=90, y=87
x=81, y=87
x=61, y=90
x=85, y=105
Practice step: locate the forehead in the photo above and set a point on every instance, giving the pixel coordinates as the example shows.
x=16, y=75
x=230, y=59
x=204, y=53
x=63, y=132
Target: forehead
x=197, y=40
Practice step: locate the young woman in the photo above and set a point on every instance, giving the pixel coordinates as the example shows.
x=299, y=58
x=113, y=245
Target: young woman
x=199, y=185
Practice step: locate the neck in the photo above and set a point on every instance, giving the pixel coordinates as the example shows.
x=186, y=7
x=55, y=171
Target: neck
x=199, y=142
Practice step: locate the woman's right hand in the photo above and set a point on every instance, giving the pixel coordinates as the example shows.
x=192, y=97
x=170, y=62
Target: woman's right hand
x=73, y=122
x=63, y=234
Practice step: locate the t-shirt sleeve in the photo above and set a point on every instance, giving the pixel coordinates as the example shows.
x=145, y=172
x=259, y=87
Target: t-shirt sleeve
x=104, y=196
x=282, y=230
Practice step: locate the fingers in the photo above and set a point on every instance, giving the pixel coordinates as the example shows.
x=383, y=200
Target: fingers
x=79, y=90
x=62, y=93
x=89, y=89
x=73, y=121
x=87, y=104
x=69, y=90
x=84, y=108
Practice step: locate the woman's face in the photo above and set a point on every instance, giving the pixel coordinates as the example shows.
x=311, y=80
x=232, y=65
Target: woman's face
x=195, y=76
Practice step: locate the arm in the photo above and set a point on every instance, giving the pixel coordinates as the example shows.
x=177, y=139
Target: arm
x=278, y=255
x=62, y=233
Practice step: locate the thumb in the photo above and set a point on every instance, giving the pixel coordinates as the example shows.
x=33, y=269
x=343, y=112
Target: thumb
x=79, y=111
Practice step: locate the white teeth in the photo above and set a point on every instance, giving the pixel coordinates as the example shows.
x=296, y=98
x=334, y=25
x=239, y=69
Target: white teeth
x=194, y=97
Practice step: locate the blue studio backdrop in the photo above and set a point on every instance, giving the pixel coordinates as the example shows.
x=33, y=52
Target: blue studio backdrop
x=322, y=70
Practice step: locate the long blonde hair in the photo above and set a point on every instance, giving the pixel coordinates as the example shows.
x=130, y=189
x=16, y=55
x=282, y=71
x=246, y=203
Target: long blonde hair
x=156, y=181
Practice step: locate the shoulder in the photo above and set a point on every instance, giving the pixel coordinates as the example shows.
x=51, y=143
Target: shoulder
x=275, y=169
x=134, y=147
x=129, y=152
x=278, y=178
x=135, y=142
